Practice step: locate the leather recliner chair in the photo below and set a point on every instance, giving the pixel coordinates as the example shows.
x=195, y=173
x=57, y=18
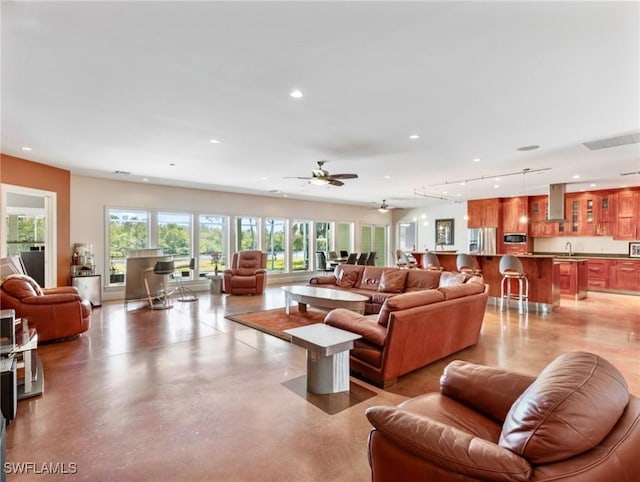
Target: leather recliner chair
x=56, y=313
x=248, y=274
x=575, y=422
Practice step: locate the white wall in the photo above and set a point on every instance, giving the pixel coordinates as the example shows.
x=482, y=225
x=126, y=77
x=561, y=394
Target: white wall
x=90, y=197
x=581, y=244
x=425, y=218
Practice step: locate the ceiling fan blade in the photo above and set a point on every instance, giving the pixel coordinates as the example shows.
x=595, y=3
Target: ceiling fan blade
x=629, y=173
x=344, y=176
x=335, y=182
x=296, y=177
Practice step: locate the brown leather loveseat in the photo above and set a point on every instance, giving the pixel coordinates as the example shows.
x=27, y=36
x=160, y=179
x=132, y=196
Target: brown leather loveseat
x=56, y=313
x=575, y=422
x=414, y=329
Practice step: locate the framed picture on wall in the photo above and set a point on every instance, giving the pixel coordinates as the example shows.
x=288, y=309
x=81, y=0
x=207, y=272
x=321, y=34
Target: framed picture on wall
x=634, y=250
x=444, y=232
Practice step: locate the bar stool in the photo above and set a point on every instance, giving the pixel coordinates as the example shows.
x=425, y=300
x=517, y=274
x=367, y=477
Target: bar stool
x=160, y=300
x=432, y=262
x=510, y=269
x=467, y=265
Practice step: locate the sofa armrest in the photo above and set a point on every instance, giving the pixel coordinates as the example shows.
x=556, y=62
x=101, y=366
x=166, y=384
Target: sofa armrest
x=368, y=328
x=323, y=280
x=448, y=447
x=489, y=390
x=51, y=299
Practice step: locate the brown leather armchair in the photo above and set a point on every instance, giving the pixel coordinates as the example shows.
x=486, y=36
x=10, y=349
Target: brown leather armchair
x=575, y=422
x=248, y=273
x=56, y=313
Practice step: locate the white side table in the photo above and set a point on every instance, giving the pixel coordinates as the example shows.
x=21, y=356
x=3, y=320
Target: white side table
x=216, y=283
x=327, y=356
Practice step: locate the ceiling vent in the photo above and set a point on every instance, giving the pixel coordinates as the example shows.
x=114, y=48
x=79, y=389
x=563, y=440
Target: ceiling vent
x=613, y=142
x=122, y=173
x=556, y=202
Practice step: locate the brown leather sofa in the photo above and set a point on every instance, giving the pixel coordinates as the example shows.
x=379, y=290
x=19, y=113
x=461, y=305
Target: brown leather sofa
x=575, y=422
x=379, y=283
x=414, y=329
x=248, y=273
x=57, y=313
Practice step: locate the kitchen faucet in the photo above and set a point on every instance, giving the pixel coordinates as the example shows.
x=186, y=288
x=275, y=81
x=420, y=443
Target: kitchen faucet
x=570, y=248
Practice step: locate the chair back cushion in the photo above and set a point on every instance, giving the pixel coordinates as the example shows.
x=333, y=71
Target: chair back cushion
x=249, y=262
x=21, y=286
x=570, y=408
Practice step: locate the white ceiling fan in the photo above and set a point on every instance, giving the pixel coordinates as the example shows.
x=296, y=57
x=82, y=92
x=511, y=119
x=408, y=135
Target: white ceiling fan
x=320, y=176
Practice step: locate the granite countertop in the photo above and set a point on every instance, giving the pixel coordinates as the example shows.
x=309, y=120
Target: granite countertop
x=561, y=256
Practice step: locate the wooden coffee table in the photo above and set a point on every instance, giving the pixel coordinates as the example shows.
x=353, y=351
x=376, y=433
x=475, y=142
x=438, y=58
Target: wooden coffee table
x=327, y=356
x=326, y=298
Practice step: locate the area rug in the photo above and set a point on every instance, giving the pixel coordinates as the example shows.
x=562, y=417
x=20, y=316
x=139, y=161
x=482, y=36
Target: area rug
x=275, y=321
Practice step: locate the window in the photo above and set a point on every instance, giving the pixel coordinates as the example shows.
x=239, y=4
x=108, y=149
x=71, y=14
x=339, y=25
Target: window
x=247, y=234
x=128, y=229
x=324, y=242
x=213, y=236
x=344, y=237
x=174, y=237
x=300, y=245
x=25, y=231
x=275, y=244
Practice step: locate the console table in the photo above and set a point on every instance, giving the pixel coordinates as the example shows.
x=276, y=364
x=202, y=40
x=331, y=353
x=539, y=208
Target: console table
x=24, y=352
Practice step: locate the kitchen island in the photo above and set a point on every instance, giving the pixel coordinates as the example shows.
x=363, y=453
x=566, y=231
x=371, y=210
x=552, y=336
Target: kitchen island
x=542, y=271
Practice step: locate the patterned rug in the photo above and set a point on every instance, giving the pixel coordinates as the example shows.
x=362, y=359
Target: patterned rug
x=275, y=321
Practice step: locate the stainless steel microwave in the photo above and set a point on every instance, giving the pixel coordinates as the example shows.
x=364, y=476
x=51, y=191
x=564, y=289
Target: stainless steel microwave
x=515, y=238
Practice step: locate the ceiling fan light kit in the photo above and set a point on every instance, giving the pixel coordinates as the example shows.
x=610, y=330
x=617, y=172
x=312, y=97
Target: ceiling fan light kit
x=321, y=177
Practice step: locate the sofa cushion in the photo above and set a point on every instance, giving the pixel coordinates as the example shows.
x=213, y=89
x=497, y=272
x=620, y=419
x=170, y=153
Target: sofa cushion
x=447, y=278
x=362, y=325
x=422, y=279
x=347, y=276
x=371, y=277
x=458, y=291
x=393, y=280
x=407, y=300
x=573, y=404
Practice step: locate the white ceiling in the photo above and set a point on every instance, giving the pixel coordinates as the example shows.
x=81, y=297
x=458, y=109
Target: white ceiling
x=96, y=87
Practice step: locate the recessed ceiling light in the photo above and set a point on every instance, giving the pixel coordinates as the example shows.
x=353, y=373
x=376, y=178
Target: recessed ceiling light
x=477, y=159
x=593, y=184
x=145, y=180
x=576, y=176
x=263, y=178
x=296, y=94
x=445, y=192
x=414, y=137
x=496, y=179
x=214, y=141
x=25, y=148
x=387, y=177
x=462, y=183
x=496, y=186
x=459, y=195
x=532, y=147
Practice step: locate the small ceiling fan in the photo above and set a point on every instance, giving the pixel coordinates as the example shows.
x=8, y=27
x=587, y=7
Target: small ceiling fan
x=384, y=207
x=321, y=176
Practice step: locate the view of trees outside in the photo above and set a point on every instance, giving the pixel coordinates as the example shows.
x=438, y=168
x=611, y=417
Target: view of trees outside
x=300, y=245
x=174, y=237
x=23, y=232
x=213, y=243
x=275, y=244
x=247, y=235
x=127, y=230
x=323, y=237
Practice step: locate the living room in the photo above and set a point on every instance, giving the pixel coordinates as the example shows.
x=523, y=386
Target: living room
x=187, y=394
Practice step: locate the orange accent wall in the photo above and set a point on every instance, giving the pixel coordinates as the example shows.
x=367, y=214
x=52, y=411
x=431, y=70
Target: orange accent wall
x=21, y=172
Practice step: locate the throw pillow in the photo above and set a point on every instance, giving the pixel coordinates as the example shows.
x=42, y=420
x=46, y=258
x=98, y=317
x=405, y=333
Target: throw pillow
x=347, y=279
x=573, y=404
x=451, y=279
x=392, y=281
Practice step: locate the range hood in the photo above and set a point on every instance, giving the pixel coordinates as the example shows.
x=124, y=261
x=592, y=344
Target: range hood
x=556, y=202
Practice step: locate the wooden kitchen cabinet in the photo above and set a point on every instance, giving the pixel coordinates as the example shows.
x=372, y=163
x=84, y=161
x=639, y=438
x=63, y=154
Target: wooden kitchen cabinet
x=625, y=275
x=628, y=215
x=603, y=213
x=598, y=275
x=574, y=278
x=483, y=213
x=538, y=213
x=513, y=209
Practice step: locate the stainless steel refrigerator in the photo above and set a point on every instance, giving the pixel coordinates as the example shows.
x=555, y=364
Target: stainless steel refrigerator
x=482, y=241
